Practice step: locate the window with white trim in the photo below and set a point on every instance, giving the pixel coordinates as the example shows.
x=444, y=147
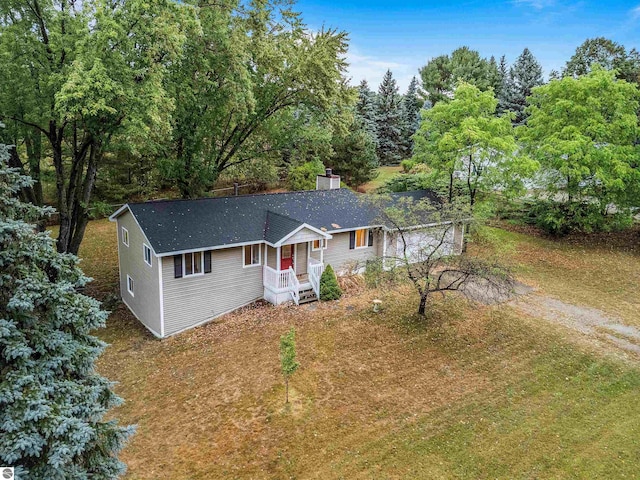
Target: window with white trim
x=147, y=253
x=130, y=285
x=125, y=237
x=361, y=238
x=251, y=255
x=193, y=264
x=315, y=246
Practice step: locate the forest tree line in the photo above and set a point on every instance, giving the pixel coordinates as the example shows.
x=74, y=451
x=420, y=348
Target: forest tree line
x=106, y=102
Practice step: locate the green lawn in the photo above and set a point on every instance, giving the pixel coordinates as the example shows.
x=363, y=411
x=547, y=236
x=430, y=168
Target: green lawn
x=384, y=174
x=472, y=392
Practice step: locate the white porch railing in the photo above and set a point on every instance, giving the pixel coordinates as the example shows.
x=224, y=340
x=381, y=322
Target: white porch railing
x=275, y=280
x=294, y=286
x=315, y=270
x=286, y=281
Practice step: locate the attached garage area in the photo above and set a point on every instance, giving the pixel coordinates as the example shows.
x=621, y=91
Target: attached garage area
x=421, y=244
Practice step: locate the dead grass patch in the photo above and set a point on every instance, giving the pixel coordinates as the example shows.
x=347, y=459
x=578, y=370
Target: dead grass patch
x=469, y=392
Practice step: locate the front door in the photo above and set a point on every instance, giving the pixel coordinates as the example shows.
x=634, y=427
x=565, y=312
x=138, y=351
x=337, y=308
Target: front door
x=286, y=257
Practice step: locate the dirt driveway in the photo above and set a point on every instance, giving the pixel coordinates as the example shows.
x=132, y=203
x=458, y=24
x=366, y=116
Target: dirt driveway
x=606, y=331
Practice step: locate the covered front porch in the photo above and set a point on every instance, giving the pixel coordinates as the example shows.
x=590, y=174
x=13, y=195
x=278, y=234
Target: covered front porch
x=293, y=266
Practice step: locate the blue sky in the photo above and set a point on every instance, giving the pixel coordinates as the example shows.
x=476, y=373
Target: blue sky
x=404, y=35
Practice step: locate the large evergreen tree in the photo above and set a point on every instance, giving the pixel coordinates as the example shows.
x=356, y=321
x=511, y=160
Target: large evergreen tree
x=441, y=74
x=389, y=120
x=52, y=401
x=524, y=76
x=410, y=108
x=355, y=158
x=366, y=110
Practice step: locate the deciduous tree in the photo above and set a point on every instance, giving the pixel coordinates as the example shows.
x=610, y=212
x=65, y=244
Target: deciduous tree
x=428, y=258
x=75, y=75
x=465, y=136
x=288, y=363
x=253, y=63
x=583, y=132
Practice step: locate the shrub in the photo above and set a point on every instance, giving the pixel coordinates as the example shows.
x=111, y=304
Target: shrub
x=407, y=165
x=560, y=219
x=329, y=288
x=303, y=177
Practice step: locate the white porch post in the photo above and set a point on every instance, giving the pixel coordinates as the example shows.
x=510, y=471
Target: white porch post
x=322, y=252
x=384, y=248
x=278, y=259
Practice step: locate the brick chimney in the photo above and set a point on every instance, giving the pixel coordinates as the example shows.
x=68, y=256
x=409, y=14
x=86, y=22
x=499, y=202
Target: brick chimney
x=328, y=181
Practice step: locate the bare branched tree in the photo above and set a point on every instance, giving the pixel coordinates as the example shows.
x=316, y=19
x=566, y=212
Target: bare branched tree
x=424, y=239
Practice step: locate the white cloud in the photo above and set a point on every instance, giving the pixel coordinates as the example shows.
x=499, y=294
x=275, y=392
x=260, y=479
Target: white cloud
x=537, y=4
x=635, y=13
x=372, y=69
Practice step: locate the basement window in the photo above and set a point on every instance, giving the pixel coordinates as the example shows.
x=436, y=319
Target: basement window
x=130, y=285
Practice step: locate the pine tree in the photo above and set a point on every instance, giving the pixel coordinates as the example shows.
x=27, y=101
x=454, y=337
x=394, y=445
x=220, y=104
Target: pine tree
x=366, y=111
x=389, y=121
x=52, y=401
x=410, y=109
x=329, y=287
x=525, y=74
x=501, y=92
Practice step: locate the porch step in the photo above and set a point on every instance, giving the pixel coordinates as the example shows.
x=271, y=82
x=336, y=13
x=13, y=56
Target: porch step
x=307, y=296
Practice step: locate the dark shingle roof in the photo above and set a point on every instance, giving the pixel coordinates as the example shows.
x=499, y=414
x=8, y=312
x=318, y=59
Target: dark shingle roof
x=177, y=225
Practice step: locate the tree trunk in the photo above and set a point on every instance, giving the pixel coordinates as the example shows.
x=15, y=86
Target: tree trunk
x=423, y=304
x=450, y=187
x=286, y=389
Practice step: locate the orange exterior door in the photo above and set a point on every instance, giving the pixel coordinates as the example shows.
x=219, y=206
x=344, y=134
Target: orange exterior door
x=286, y=257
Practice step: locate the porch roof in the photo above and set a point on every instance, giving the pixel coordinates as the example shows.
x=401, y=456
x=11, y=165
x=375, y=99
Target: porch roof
x=182, y=225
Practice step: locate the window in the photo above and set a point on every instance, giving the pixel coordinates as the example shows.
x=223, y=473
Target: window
x=361, y=238
x=147, y=254
x=193, y=264
x=251, y=255
x=130, y=285
x=125, y=237
x=317, y=243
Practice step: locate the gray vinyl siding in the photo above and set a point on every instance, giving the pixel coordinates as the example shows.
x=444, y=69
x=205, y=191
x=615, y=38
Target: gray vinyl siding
x=145, y=303
x=189, y=301
x=341, y=258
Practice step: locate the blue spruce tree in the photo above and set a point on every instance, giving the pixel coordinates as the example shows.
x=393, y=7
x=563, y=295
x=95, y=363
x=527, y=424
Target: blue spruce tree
x=389, y=121
x=52, y=401
x=410, y=109
x=365, y=111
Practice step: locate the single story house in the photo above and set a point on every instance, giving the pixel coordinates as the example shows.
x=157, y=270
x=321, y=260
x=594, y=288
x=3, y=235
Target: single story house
x=185, y=262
